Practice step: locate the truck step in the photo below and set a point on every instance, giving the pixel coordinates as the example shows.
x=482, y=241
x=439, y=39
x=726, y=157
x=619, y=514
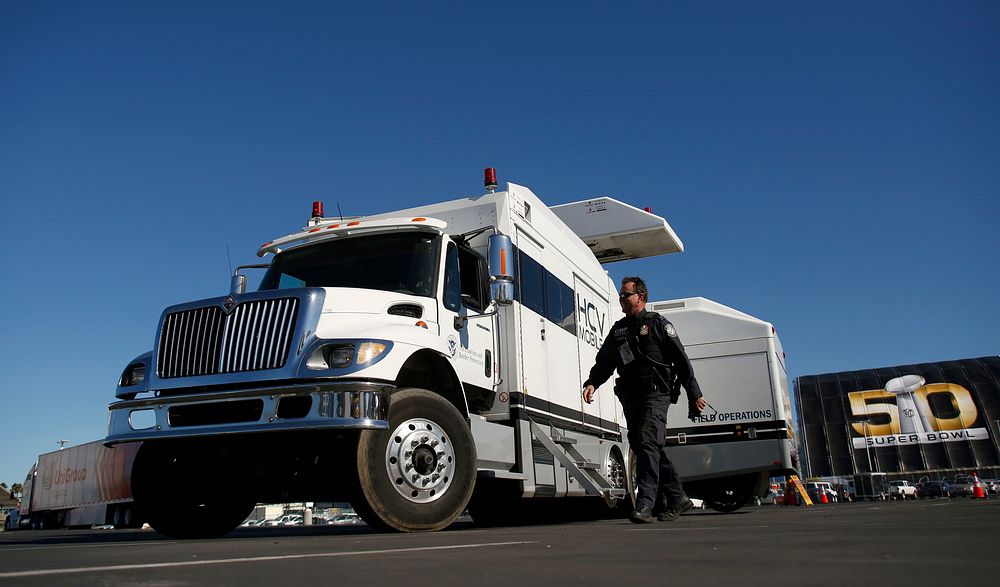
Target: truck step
x=587, y=465
x=559, y=439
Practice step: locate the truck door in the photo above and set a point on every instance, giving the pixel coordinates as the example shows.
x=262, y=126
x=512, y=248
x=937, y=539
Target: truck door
x=593, y=322
x=473, y=344
x=532, y=353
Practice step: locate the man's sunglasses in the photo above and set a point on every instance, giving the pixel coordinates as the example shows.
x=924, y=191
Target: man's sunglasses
x=627, y=294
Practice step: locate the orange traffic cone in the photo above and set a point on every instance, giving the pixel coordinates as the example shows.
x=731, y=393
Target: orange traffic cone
x=822, y=496
x=790, y=494
x=790, y=497
x=977, y=488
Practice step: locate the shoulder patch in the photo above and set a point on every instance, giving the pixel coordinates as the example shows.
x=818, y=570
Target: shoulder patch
x=669, y=329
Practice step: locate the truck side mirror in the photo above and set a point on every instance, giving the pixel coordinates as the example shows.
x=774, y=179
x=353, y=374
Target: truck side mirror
x=501, y=270
x=238, y=284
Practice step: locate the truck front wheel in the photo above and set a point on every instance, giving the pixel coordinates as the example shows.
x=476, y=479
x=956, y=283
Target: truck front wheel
x=182, y=495
x=419, y=474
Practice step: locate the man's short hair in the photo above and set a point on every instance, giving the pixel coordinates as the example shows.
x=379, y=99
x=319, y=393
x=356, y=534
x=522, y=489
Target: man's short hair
x=639, y=285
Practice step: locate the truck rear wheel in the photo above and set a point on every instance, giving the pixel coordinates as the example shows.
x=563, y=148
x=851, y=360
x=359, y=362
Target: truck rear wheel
x=729, y=494
x=626, y=504
x=419, y=474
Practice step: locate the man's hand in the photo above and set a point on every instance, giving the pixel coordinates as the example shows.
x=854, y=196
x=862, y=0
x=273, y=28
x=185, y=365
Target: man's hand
x=695, y=407
x=588, y=394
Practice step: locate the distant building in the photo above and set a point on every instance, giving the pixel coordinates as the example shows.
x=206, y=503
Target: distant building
x=932, y=419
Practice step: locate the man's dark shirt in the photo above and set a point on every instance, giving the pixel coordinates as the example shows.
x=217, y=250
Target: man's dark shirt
x=632, y=332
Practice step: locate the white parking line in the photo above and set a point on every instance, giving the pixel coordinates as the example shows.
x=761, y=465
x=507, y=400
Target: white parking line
x=225, y=561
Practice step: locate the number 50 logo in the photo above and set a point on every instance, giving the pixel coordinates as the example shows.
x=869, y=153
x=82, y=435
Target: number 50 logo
x=935, y=407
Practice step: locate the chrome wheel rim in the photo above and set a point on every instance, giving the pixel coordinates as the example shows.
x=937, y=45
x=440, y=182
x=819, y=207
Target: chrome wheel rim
x=419, y=460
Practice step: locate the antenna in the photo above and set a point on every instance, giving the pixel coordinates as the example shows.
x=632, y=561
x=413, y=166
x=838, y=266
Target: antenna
x=230, y=259
x=339, y=212
x=61, y=443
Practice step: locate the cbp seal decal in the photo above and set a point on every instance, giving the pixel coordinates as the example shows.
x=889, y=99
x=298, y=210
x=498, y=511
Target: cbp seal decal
x=670, y=330
x=452, y=345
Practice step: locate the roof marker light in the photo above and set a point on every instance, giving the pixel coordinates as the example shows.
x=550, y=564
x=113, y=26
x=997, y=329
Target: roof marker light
x=418, y=220
x=317, y=229
x=355, y=223
x=317, y=209
x=490, y=179
x=647, y=210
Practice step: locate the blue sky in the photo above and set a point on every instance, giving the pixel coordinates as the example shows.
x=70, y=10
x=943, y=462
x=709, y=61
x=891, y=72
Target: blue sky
x=832, y=169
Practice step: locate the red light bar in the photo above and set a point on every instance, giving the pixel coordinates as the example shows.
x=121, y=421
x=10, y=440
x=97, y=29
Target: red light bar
x=317, y=209
x=490, y=180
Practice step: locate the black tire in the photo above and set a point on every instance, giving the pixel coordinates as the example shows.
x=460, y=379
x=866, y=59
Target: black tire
x=182, y=495
x=621, y=475
x=418, y=475
x=627, y=505
x=129, y=518
x=728, y=499
x=204, y=520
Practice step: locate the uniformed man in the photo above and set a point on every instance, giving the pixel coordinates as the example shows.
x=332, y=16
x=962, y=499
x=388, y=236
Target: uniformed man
x=651, y=364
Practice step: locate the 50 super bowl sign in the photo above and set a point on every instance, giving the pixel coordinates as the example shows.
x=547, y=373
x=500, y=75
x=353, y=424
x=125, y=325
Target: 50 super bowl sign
x=909, y=411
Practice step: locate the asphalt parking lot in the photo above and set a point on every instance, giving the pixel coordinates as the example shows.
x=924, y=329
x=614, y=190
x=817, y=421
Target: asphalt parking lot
x=943, y=541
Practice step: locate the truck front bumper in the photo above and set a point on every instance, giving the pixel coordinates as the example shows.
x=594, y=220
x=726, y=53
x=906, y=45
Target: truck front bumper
x=328, y=405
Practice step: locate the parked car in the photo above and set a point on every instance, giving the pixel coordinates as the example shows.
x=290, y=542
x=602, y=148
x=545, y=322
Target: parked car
x=285, y=520
x=773, y=497
x=901, y=489
x=931, y=489
x=348, y=519
x=990, y=485
x=11, y=518
x=962, y=486
x=816, y=489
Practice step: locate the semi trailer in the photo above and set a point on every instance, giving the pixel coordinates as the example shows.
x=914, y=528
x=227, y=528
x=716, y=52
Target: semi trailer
x=80, y=486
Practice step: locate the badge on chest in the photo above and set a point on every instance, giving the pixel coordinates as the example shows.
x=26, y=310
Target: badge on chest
x=626, y=354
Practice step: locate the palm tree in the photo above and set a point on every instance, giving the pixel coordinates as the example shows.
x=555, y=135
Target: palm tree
x=16, y=489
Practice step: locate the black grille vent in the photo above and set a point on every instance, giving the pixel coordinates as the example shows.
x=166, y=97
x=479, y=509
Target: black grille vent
x=411, y=310
x=204, y=341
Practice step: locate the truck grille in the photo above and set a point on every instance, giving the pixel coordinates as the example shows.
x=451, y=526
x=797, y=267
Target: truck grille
x=205, y=341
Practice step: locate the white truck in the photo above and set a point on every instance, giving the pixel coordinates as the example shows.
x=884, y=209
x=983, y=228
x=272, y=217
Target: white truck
x=418, y=362
x=901, y=489
x=727, y=455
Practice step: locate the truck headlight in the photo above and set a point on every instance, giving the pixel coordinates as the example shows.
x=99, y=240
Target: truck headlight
x=339, y=356
x=133, y=375
x=347, y=354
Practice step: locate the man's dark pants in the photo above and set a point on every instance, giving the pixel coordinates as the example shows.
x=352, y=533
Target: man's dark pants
x=646, y=415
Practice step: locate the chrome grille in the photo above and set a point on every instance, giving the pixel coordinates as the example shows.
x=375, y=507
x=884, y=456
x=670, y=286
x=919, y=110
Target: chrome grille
x=205, y=341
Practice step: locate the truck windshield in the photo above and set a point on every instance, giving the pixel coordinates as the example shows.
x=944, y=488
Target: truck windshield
x=400, y=262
